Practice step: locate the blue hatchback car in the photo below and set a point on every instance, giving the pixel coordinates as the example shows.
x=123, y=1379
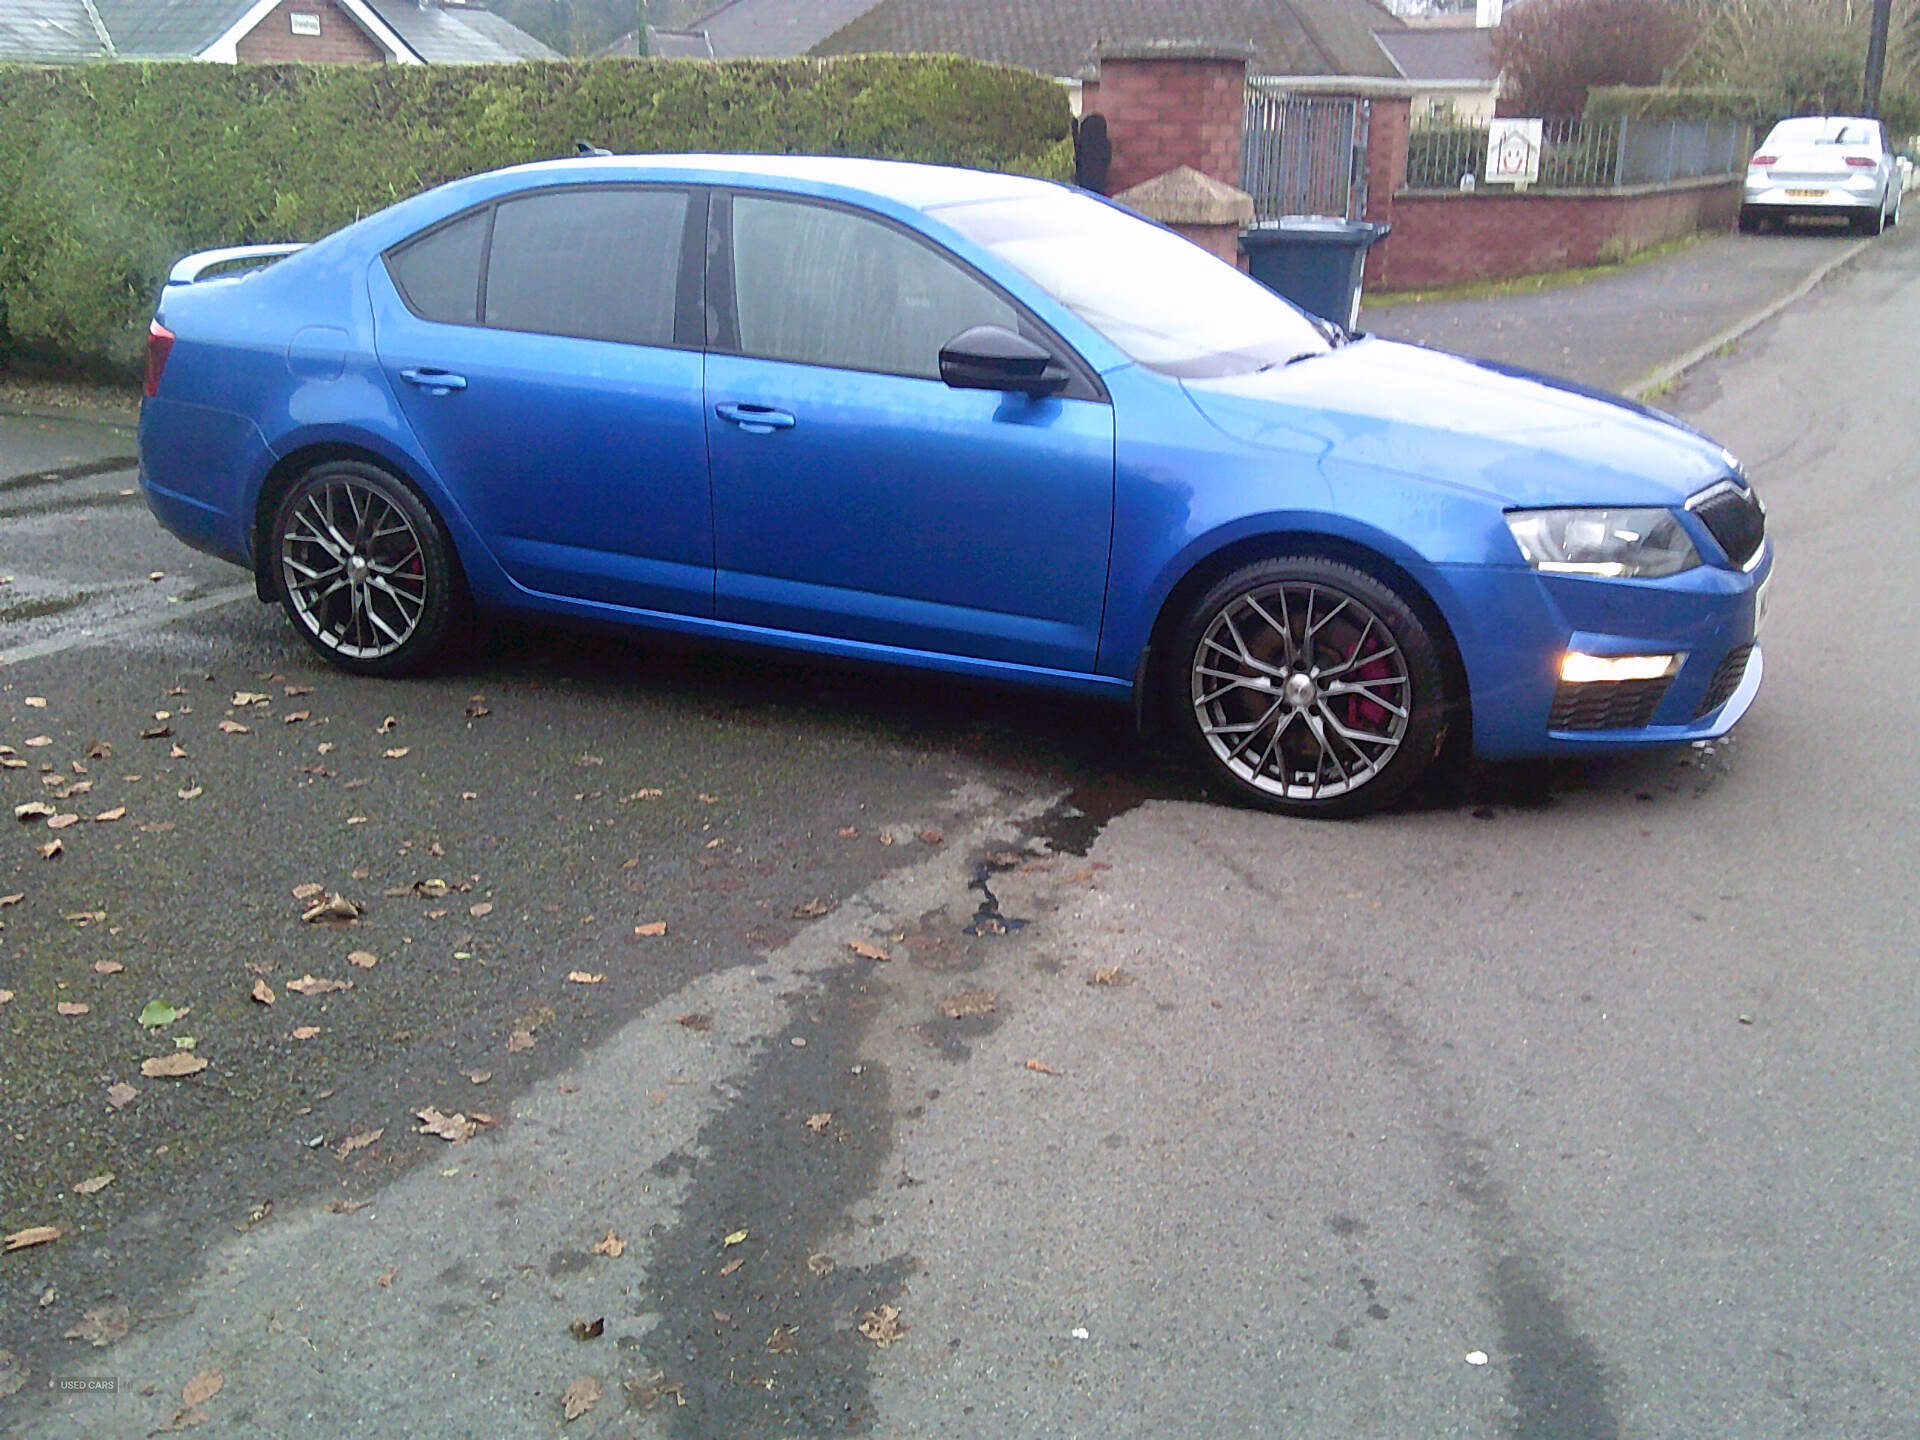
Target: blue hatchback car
x=961, y=421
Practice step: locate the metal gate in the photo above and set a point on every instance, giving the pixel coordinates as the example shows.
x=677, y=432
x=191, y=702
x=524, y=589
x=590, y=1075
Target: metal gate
x=1303, y=154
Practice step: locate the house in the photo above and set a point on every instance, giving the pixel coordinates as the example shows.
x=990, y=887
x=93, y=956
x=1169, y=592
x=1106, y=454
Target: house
x=747, y=29
x=1456, y=77
x=398, y=32
x=1057, y=37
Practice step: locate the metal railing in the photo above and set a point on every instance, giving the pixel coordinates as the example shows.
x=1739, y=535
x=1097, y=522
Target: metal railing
x=1586, y=155
x=1304, y=154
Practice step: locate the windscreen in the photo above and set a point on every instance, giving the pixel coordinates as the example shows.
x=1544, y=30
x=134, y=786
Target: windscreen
x=1161, y=299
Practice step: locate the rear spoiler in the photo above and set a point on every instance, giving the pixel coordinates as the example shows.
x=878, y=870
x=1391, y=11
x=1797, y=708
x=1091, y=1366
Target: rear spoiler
x=193, y=267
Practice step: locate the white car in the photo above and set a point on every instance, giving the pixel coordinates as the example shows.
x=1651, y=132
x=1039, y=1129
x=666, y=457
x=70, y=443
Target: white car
x=1823, y=165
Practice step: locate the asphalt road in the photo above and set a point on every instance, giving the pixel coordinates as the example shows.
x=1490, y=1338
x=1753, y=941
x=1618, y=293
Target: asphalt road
x=1227, y=1125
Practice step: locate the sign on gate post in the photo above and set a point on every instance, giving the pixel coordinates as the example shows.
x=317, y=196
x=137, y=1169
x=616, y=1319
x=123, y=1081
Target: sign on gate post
x=1513, y=151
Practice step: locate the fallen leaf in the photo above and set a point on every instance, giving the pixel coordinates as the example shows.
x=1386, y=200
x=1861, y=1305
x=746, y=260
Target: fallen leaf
x=580, y=1397
x=38, y=702
x=819, y=1263
x=818, y=1123
x=733, y=1265
x=234, y=727
x=6, y=997
x=52, y=850
x=399, y=754
x=931, y=837
x=94, y=1185
x=61, y=822
x=385, y=1278
x=202, y=1388
x=882, y=1325
x=32, y=810
x=358, y=1142
x=348, y=1207
x=520, y=1040
x=158, y=1012
x=262, y=992
x=308, y=890
x=304, y=1032
x=72, y=1007
x=962, y=1003
x=809, y=909
x=849, y=832
x=652, y=927
x=583, y=977
x=781, y=1341
x=1040, y=1069
x=32, y=1235
x=867, y=950
x=365, y=959
x=613, y=1247
x=294, y=717
x=101, y=1327
x=736, y=1238
x=9, y=901
x=696, y=1020
x=454, y=1129
x=481, y=911
x=430, y=889
x=386, y=726
x=107, y=817
x=333, y=910
x=39, y=742
x=107, y=967
x=313, y=985
x=120, y=1094
x=191, y=794
x=84, y=918
x=174, y=752
x=1110, y=975
x=479, y=1077
x=248, y=697
x=293, y=692
x=325, y=747
x=173, y=1067
x=477, y=706
x=588, y=1329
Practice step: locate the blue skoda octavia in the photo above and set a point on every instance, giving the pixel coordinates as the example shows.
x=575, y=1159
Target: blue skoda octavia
x=954, y=420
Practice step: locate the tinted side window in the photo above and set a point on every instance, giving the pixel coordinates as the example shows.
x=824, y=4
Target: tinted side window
x=439, y=274
x=821, y=286
x=600, y=264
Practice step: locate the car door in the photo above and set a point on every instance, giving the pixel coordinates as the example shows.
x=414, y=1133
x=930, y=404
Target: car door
x=858, y=496
x=546, y=352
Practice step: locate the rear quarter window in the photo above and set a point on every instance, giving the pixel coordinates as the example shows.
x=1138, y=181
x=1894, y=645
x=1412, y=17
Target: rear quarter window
x=438, y=273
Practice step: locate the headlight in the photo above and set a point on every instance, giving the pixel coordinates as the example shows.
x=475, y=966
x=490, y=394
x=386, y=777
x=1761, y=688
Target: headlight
x=1635, y=544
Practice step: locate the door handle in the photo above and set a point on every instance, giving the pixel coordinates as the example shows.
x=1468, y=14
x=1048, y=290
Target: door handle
x=434, y=382
x=755, y=419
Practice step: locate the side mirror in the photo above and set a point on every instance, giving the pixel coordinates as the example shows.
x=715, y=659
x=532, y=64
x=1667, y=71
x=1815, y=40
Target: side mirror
x=991, y=357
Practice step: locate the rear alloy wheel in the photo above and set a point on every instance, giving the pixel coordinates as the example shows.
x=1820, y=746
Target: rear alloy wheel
x=1310, y=687
x=365, y=569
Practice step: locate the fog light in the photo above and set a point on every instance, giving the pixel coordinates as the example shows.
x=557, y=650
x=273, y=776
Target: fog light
x=1579, y=669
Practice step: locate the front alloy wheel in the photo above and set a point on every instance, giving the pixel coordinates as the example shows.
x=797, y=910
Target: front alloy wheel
x=365, y=569
x=1311, y=687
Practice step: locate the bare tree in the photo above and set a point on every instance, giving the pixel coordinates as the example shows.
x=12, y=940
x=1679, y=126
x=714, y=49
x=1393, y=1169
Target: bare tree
x=1553, y=51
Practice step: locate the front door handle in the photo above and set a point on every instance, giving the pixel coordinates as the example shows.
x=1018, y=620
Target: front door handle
x=434, y=382
x=755, y=419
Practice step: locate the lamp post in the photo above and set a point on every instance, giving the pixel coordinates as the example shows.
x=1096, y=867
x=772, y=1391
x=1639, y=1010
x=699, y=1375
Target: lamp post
x=1876, y=58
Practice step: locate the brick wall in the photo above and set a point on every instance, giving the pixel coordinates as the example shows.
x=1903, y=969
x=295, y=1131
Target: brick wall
x=340, y=41
x=1165, y=111
x=1388, y=120
x=1448, y=238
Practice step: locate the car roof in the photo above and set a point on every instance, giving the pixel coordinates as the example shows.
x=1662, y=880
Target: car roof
x=918, y=186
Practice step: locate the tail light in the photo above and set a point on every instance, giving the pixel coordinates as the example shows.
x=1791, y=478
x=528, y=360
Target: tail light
x=1760, y=162
x=159, y=347
x=1861, y=162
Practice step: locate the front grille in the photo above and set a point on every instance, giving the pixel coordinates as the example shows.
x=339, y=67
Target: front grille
x=1606, y=704
x=1734, y=517
x=1725, y=680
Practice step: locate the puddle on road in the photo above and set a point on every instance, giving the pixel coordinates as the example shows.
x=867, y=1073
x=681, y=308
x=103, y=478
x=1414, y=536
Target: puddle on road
x=40, y=607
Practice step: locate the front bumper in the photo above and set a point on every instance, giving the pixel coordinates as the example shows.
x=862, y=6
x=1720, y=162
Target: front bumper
x=1710, y=616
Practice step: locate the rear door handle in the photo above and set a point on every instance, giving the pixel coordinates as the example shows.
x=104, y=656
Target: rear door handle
x=755, y=419
x=434, y=382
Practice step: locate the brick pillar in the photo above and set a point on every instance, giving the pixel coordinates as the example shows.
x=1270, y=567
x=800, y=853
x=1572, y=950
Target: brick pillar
x=1386, y=174
x=1170, y=103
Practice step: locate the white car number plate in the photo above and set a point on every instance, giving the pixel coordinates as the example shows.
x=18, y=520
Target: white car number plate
x=1805, y=194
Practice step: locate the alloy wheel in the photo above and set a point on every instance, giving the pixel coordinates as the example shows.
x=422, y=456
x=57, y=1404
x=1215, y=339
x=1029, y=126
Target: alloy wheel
x=354, y=568
x=1301, y=690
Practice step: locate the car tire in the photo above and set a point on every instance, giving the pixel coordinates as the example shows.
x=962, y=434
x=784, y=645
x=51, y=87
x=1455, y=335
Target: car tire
x=1309, y=687
x=1870, y=221
x=1749, y=222
x=365, y=570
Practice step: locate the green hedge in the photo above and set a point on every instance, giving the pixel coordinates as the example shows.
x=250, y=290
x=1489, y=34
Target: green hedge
x=1667, y=102
x=108, y=173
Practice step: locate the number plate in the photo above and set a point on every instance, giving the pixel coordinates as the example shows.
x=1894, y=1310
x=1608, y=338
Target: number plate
x=1805, y=194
